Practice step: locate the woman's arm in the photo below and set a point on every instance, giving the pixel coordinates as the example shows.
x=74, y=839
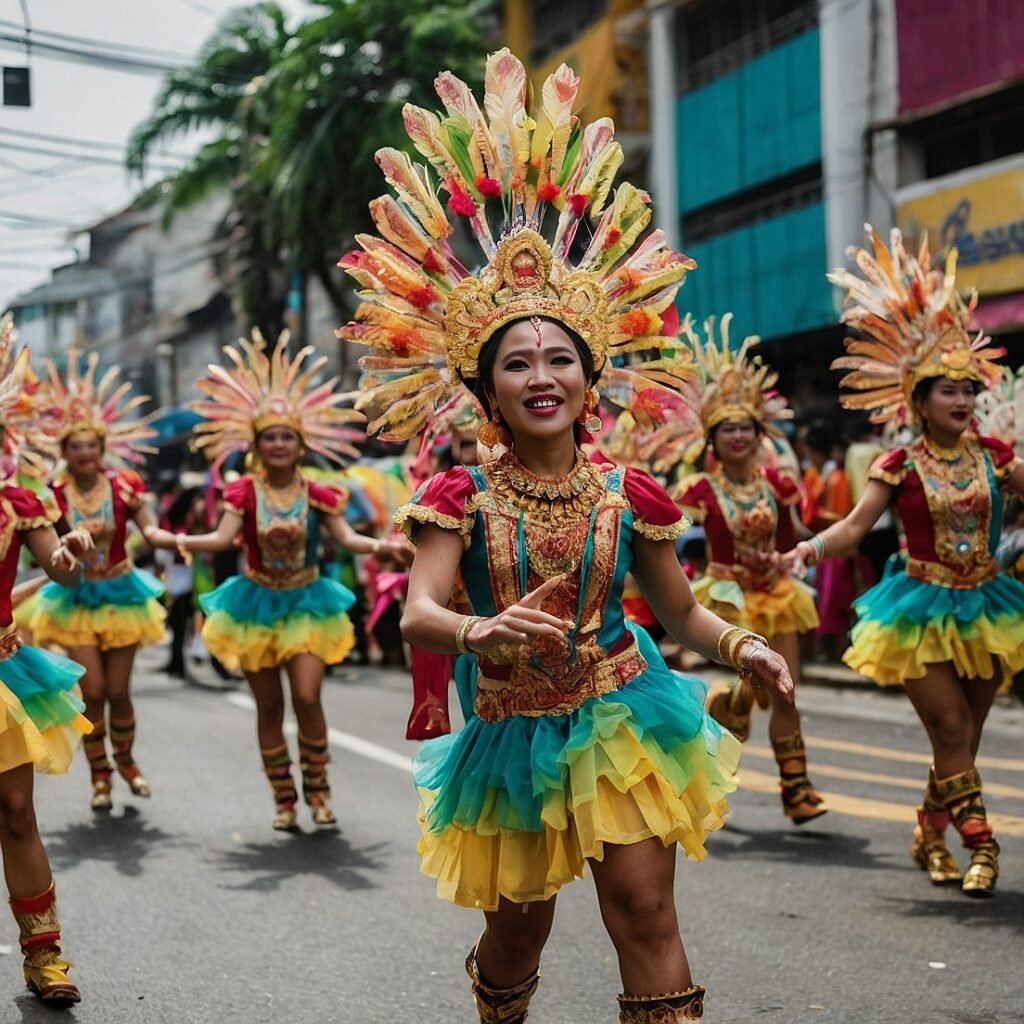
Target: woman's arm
x=58, y=558
x=359, y=543
x=428, y=623
x=667, y=590
x=1015, y=481
x=221, y=539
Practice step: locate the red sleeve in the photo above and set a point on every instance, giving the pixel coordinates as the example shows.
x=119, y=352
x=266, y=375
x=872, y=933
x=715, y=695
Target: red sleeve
x=695, y=495
x=62, y=501
x=655, y=515
x=240, y=496
x=331, y=500
x=890, y=468
x=132, y=482
x=784, y=487
x=29, y=510
x=441, y=502
x=1004, y=459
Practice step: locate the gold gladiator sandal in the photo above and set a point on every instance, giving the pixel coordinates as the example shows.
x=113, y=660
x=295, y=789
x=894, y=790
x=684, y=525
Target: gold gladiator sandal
x=500, y=1005
x=961, y=793
x=122, y=737
x=928, y=848
x=801, y=802
x=732, y=709
x=100, y=769
x=314, y=758
x=278, y=766
x=46, y=974
x=663, y=1009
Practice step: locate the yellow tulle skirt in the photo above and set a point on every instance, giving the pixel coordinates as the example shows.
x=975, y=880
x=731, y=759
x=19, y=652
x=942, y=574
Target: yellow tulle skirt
x=787, y=608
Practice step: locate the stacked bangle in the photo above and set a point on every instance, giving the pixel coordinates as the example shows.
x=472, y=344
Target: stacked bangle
x=463, y=631
x=731, y=643
x=818, y=547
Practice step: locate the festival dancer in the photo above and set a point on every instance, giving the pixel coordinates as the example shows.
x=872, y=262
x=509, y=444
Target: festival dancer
x=946, y=625
x=582, y=746
x=282, y=614
x=42, y=716
x=748, y=511
x=103, y=620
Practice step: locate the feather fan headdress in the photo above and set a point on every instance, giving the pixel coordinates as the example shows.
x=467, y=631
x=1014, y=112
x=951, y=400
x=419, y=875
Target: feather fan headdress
x=78, y=403
x=913, y=326
x=259, y=391
x=1000, y=411
x=524, y=185
x=16, y=417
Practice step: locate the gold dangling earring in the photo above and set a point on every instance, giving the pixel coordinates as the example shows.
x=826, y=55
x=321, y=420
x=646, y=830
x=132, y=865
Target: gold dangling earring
x=588, y=418
x=493, y=440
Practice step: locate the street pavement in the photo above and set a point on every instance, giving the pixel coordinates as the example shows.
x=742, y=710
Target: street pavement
x=187, y=907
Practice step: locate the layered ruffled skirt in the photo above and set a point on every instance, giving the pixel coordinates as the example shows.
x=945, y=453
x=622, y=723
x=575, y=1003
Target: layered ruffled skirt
x=787, y=608
x=904, y=625
x=251, y=627
x=121, y=612
x=42, y=717
x=514, y=808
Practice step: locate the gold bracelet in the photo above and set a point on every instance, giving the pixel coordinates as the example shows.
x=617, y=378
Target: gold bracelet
x=463, y=631
x=727, y=640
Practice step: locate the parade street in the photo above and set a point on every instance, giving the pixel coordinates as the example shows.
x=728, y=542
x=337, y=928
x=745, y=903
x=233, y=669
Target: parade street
x=187, y=907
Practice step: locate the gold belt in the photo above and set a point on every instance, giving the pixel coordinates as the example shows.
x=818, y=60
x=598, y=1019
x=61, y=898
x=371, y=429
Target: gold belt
x=10, y=642
x=941, y=575
x=289, y=581
x=107, y=572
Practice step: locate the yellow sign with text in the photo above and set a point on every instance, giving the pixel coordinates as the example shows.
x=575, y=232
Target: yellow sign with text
x=984, y=219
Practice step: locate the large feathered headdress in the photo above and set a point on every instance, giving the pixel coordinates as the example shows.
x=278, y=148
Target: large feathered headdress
x=15, y=409
x=523, y=184
x=913, y=326
x=76, y=403
x=259, y=391
x=1000, y=411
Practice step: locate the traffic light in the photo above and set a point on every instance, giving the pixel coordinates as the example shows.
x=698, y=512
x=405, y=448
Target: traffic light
x=17, y=87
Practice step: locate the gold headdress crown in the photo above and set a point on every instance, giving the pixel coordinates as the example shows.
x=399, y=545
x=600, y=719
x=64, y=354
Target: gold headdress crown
x=914, y=327
x=78, y=403
x=261, y=391
x=509, y=175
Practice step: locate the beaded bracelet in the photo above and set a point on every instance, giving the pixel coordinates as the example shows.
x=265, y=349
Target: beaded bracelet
x=463, y=631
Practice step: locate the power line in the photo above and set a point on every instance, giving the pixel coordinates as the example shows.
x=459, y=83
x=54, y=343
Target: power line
x=107, y=44
x=96, y=58
x=84, y=158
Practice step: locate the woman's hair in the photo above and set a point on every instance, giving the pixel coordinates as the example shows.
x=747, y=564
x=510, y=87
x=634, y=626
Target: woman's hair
x=923, y=388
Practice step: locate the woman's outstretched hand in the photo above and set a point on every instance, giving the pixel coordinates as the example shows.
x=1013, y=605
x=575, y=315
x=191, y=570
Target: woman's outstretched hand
x=768, y=670
x=521, y=624
x=796, y=559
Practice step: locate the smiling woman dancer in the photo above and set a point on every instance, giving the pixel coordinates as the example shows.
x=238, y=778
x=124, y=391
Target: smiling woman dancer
x=42, y=721
x=747, y=509
x=102, y=621
x=582, y=748
x=947, y=626
x=282, y=613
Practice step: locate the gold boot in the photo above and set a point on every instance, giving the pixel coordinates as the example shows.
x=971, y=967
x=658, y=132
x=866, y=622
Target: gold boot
x=961, y=793
x=278, y=766
x=663, y=1009
x=122, y=738
x=801, y=802
x=928, y=847
x=316, y=790
x=46, y=974
x=732, y=708
x=500, y=1005
x=100, y=769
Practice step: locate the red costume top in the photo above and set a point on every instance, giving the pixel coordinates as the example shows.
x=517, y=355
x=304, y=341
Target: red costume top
x=20, y=510
x=281, y=528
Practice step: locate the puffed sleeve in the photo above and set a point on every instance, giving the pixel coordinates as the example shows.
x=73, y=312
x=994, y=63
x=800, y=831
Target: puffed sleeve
x=130, y=488
x=1004, y=459
x=443, y=501
x=655, y=515
x=694, y=493
x=784, y=487
x=240, y=496
x=29, y=512
x=329, y=500
x=61, y=498
x=890, y=468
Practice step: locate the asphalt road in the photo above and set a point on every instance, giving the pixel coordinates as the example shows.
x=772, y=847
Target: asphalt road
x=188, y=908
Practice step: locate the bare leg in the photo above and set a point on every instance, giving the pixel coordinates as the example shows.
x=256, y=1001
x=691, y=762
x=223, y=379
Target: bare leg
x=269, y=697
x=117, y=668
x=306, y=674
x=941, y=704
x=26, y=868
x=514, y=936
x=94, y=694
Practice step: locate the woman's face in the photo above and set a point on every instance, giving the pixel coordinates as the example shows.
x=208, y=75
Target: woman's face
x=83, y=453
x=539, y=386
x=735, y=440
x=949, y=406
x=279, y=447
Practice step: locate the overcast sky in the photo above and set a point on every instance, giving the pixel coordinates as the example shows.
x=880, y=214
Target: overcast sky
x=84, y=112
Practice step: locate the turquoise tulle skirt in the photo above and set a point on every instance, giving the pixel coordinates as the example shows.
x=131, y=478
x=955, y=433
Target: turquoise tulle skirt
x=42, y=716
x=252, y=627
x=514, y=808
x=905, y=624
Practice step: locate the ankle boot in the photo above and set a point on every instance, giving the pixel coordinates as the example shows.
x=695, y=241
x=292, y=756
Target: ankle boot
x=100, y=769
x=316, y=790
x=278, y=766
x=663, y=1009
x=732, y=709
x=928, y=848
x=122, y=737
x=46, y=973
x=500, y=1005
x=801, y=802
x=961, y=794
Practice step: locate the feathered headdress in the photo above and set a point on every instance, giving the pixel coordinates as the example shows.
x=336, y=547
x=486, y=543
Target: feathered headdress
x=913, y=326
x=259, y=391
x=523, y=184
x=14, y=408
x=77, y=403
x=1000, y=411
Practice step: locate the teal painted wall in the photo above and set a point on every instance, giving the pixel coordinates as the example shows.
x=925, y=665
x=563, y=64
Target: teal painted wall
x=771, y=275
x=753, y=125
